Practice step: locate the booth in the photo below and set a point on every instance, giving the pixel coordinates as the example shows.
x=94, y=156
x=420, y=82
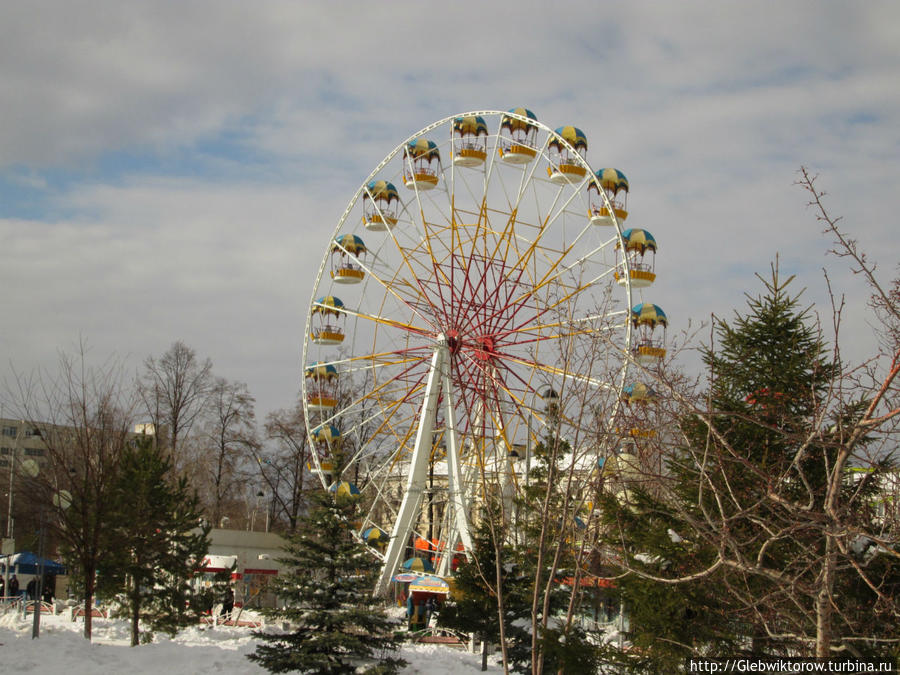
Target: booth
x=423, y=595
x=26, y=566
x=27, y=562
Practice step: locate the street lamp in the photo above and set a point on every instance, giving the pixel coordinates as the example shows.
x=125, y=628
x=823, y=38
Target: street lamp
x=61, y=500
x=549, y=405
x=12, y=471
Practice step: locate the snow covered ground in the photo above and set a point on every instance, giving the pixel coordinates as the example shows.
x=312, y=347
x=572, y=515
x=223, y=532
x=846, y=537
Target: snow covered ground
x=61, y=650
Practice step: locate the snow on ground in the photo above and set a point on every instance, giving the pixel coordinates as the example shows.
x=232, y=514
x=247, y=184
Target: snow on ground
x=61, y=650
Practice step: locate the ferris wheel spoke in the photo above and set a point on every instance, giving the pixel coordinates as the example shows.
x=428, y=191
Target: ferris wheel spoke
x=485, y=274
x=390, y=290
x=391, y=323
x=389, y=414
x=527, y=178
x=372, y=362
x=561, y=372
x=413, y=282
x=537, y=334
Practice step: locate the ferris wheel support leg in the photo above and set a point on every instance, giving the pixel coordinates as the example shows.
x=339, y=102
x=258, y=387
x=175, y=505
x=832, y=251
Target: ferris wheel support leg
x=418, y=472
x=459, y=531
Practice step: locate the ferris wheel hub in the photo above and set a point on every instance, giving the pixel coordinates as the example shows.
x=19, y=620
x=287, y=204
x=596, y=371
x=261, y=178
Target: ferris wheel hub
x=453, y=341
x=485, y=348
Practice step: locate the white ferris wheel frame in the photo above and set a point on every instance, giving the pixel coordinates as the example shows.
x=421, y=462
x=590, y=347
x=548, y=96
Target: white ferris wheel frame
x=438, y=380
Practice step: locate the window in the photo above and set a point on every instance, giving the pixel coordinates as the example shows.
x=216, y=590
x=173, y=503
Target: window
x=34, y=452
x=11, y=432
x=5, y=451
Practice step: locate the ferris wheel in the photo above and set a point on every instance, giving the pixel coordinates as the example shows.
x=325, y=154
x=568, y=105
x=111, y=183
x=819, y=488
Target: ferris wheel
x=478, y=284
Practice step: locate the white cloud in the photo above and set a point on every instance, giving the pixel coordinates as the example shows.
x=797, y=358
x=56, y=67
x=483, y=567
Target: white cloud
x=709, y=109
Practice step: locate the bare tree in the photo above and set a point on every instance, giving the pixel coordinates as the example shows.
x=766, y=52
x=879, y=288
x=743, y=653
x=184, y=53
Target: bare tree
x=224, y=448
x=769, y=499
x=85, y=415
x=284, y=467
x=543, y=533
x=872, y=408
x=174, y=390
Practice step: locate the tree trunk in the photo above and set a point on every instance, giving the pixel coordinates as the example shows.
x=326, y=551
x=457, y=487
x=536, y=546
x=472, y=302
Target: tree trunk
x=88, y=602
x=135, y=619
x=501, y=601
x=823, y=599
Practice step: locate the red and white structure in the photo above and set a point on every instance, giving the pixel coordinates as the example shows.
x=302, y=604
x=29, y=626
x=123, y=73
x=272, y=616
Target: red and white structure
x=463, y=311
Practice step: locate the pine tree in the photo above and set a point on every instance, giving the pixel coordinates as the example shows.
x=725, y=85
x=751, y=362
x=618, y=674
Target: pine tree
x=768, y=375
x=740, y=549
x=764, y=377
x=668, y=622
x=549, y=529
x=543, y=517
x=473, y=605
x=159, y=545
x=338, y=626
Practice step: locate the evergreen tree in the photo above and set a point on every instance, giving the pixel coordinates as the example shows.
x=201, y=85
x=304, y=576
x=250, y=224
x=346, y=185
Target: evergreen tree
x=159, y=545
x=738, y=549
x=543, y=518
x=549, y=530
x=338, y=626
x=473, y=606
x=768, y=375
x=668, y=621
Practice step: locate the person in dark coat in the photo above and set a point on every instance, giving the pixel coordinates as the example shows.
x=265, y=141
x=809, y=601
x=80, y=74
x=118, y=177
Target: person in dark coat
x=14, y=586
x=228, y=602
x=31, y=589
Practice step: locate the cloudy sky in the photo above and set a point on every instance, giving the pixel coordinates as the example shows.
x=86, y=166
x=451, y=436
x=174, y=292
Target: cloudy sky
x=174, y=170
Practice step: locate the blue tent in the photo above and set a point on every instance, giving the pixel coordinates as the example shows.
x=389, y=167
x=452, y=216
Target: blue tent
x=27, y=562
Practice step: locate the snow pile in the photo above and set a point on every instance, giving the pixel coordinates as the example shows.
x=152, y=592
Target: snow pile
x=61, y=650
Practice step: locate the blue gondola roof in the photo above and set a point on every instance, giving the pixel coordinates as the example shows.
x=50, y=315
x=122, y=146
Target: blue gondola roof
x=649, y=314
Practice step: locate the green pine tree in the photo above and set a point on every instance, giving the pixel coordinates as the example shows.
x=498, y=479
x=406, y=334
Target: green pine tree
x=473, y=605
x=547, y=505
x=159, y=545
x=668, y=622
x=338, y=626
x=745, y=497
x=768, y=374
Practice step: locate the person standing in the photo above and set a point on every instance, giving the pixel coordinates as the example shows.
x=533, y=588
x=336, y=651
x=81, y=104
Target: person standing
x=14, y=586
x=429, y=610
x=228, y=603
